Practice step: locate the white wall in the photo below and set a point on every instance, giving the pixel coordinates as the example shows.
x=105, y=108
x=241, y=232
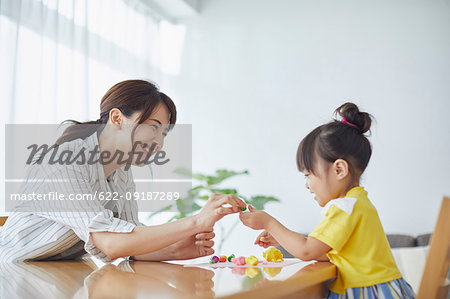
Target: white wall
x=257, y=75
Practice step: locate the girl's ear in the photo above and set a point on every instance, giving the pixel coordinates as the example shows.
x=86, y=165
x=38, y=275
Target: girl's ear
x=340, y=168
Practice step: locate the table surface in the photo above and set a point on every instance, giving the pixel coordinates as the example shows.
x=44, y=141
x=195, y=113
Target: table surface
x=132, y=279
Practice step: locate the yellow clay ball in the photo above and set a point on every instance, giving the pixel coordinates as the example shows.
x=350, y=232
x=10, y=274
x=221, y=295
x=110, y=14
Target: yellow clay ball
x=273, y=255
x=251, y=260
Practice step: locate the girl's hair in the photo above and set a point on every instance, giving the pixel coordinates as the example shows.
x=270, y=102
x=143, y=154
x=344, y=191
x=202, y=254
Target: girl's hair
x=128, y=96
x=338, y=140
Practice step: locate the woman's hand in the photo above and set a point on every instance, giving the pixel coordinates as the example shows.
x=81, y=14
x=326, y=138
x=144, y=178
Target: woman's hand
x=266, y=240
x=256, y=219
x=193, y=247
x=214, y=210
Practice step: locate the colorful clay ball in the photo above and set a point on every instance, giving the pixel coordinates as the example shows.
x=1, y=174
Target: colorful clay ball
x=215, y=259
x=238, y=261
x=222, y=259
x=230, y=257
x=252, y=260
x=273, y=255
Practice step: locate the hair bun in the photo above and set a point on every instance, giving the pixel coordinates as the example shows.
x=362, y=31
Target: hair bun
x=362, y=120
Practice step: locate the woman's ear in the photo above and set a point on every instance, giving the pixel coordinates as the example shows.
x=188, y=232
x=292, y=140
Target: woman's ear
x=340, y=168
x=116, y=117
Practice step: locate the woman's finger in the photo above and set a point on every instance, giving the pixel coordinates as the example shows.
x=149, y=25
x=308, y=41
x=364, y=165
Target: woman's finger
x=205, y=236
x=205, y=243
x=232, y=200
x=206, y=251
x=224, y=211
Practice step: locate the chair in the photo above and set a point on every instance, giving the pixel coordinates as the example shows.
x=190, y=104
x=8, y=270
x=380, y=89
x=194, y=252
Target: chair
x=434, y=283
x=3, y=220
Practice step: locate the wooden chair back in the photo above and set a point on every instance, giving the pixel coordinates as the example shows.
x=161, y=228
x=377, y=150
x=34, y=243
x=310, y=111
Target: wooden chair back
x=434, y=282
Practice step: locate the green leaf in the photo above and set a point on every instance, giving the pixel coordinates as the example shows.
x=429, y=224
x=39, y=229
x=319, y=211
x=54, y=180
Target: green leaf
x=195, y=207
x=224, y=191
x=166, y=208
x=196, y=190
x=183, y=172
x=188, y=173
x=260, y=200
x=176, y=217
x=184, y=205
x=187, y=206
x=223, y=174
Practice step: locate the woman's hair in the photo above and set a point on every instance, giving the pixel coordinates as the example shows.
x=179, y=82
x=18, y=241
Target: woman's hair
x=338, y=140
x=128, y=96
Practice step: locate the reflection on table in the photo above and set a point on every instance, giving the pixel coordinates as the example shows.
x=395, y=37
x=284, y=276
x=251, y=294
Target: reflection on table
x=130, y=279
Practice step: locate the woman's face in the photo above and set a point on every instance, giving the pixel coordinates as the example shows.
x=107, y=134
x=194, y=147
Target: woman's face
x=148, y=136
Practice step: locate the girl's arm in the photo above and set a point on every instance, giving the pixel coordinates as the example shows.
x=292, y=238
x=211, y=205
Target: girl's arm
x=298, y=245
x=146, y=239
x=265, y=240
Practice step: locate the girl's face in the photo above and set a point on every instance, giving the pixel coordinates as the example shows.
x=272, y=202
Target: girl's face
x=328, y=182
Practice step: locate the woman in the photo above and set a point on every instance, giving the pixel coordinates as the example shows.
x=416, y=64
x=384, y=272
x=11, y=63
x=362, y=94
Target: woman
x=134, y=115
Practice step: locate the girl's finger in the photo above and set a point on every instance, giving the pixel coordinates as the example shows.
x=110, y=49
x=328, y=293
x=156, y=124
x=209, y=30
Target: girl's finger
x=243, y=217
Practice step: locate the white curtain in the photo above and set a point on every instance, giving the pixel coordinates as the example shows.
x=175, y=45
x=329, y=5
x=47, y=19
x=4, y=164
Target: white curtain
x=58, y=58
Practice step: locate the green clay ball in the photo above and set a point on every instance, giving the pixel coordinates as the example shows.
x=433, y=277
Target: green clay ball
x=244, y=208
x=230, y=257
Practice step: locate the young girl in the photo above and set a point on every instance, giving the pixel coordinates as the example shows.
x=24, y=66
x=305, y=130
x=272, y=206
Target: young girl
x=333, y=157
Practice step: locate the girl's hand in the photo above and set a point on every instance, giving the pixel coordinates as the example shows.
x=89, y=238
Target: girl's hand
x=266, y=240
x=214, y=210
x=256, y=219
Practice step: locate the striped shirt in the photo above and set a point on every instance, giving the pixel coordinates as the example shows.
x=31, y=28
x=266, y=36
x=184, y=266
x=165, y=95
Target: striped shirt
x=56, y=230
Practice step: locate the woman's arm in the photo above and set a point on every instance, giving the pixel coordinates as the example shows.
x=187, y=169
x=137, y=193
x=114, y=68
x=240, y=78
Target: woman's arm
x=147, y=239
x=193, y=247
x=143, y=239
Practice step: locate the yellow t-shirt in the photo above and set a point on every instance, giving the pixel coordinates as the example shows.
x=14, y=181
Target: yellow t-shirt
x=359, y=247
